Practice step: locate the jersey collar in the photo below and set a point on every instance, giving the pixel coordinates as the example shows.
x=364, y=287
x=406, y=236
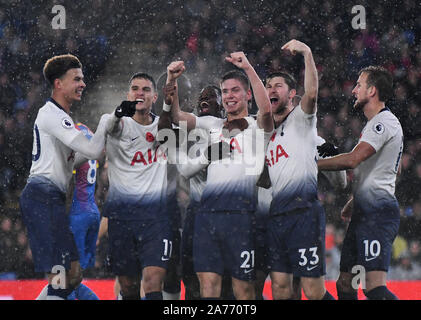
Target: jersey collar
x=56, y=103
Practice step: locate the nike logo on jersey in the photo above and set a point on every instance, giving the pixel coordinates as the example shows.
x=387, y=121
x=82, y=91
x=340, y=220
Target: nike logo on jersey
x=248, y=271
x=133, y=139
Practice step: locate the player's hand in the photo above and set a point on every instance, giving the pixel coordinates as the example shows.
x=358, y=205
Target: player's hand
x=174, y=70
x=126, y=109
x=295, y=46
x=239, y=59
x=346, y=212
x=218, y=151
x=169, y=91
x=327, y=149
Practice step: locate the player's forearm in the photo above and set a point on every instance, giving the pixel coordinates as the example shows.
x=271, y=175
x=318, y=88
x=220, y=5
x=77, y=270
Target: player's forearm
x=261, y=97
x=92, y=149
x=311, y=81
x=340, y=162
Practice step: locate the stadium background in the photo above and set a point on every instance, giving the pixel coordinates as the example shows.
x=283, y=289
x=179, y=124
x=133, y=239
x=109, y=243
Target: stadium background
x=114, y=39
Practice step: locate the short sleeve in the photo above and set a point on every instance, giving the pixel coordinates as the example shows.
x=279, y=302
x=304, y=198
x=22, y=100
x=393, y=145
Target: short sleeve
x=300, y=116
x=61, y=127
x=377, y=133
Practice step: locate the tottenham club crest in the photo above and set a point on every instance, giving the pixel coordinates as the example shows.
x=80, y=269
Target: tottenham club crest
x=66, y=123
x=378, y=128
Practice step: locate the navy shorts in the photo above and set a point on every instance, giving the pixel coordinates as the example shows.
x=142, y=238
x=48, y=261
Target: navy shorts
x=187, y=242
x=370, y=235
x=136, y=244
x=295, y=242
x=260, y=235
x=85, y=227
x=224, y=242
x=43, y=208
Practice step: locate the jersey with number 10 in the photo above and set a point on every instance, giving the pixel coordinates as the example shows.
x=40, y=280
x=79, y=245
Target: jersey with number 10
x=375, y=177
x=51, y=157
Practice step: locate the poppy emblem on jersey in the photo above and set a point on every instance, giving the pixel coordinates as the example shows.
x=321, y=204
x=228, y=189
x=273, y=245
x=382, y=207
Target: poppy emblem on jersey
x=378, y=128
x=150, y=137
x=66, y=123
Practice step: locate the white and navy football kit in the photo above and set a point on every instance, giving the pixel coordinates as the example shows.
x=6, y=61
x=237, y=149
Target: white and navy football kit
x=375, y=219
x=84, y=213
x=222, y=234
x=296, y=227
x=337, y=180
x=43, y=199
x=136, y=204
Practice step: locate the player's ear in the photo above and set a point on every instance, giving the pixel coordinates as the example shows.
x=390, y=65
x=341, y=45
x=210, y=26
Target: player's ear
x=155, y=97
x=249, y=95
x=372, y=90
x=292, y=93
x=57, y=83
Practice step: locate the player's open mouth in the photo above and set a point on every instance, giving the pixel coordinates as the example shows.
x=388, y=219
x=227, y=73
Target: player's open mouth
x=231, y=103
x=204, y=107
x=140, y=100
x=274, y=100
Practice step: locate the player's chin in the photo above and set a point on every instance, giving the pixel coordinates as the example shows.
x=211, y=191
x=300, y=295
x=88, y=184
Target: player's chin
x=78, y=97
x=142, y=109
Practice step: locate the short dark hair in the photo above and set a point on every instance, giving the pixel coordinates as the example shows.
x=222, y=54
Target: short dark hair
x=57, y=66
x=289, y=78
x=142, y=75
x=217, y=91
x=238, y=75
x=380, y=78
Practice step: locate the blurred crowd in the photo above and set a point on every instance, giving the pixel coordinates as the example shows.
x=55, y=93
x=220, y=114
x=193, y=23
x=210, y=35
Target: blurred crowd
x=202, y=33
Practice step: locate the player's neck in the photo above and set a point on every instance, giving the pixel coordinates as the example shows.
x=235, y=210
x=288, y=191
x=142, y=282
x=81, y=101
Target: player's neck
x=373, y=108
x=281, y=116
x=233, y=116
x=142, y=118
x=61, y=101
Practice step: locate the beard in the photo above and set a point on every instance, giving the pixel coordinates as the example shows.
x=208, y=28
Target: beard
x=359, y=105
x=282, y=106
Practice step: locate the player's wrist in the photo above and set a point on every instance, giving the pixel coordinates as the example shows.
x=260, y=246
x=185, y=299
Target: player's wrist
x=166, y=107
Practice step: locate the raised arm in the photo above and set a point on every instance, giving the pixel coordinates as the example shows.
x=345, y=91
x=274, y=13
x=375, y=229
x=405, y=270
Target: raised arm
x=264, y=116
x=311, y=81
x=174, y=70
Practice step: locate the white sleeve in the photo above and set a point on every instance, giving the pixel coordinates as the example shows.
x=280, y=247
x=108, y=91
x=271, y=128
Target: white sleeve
x=63, y=129
x=92, y=149
x=377, y=133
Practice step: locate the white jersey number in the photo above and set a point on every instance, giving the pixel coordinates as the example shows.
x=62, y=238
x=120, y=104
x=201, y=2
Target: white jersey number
x=91, y=175
x=36, y=148
x=314, y=257
x=248, y=257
